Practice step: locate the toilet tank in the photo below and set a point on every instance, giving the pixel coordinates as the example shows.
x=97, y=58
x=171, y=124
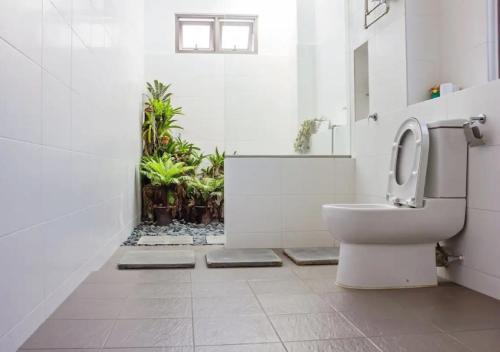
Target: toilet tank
x=447, y=165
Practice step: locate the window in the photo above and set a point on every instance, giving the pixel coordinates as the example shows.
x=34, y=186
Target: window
x=216, y=34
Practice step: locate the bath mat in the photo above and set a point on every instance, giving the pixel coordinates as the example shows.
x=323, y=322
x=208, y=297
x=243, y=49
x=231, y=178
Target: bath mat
x=313, y=256
x=153, y=259
x=232, y=258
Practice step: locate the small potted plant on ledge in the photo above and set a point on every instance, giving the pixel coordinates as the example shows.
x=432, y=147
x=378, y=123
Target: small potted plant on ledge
x=164, y=173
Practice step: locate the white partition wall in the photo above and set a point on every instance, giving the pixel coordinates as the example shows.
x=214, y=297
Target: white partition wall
x=275, y=202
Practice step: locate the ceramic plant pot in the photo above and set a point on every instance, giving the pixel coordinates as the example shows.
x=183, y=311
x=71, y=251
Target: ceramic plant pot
x=162, y=216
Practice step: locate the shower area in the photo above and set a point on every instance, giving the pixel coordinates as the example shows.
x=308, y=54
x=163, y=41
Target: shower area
x=266, y=82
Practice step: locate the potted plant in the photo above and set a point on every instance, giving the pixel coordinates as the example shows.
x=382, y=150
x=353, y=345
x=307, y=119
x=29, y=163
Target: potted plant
x=166, y=174
x=207, y=194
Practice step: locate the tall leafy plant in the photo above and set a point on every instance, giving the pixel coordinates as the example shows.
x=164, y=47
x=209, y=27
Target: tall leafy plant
x=159, y=117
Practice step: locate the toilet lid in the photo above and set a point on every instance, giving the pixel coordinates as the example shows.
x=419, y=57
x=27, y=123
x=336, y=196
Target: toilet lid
x=408, y=166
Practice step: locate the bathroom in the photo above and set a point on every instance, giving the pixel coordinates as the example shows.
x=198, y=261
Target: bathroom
x=71, y=182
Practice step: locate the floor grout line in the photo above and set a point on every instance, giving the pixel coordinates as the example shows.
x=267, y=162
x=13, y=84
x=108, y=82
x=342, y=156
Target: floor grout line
x=267, y=316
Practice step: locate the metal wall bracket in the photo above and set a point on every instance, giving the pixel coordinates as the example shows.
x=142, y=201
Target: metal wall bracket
x=368, y=11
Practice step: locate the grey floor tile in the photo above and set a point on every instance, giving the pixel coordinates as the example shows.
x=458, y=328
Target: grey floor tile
x=419, y=343
x=68, y=334
x=322, y=286
x=480, y=341
x=320, y=326
x=328, y=272
x=140, y=276
x=62, y=350
x=147, y=349
x=364, y=301
x=225, y=306
x=151, y=333
x=279, y=287
x=102, y=291
x=266, y=347
x=274, y=304
x=243, y=274
x=339, y=345
x=221, y=289
x=461, y=318
x=389, y=323
x=233, y=330
x=164, y=290
x=140, y=308
x=89, y=308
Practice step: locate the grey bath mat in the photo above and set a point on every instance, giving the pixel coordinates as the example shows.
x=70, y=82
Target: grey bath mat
x=157, y=259
x=313, y=256
x=231, y=258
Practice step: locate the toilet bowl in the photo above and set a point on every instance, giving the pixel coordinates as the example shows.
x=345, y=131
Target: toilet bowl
x=392, y=244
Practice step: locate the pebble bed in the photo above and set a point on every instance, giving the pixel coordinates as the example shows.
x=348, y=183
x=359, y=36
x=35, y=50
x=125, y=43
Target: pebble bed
x=176, y=228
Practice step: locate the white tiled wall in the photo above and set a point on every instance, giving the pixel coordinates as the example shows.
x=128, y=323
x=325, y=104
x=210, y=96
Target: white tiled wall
x=71, y=76
x=372, y=146
x=275, y=202
x=243, y=103
x=447, y=41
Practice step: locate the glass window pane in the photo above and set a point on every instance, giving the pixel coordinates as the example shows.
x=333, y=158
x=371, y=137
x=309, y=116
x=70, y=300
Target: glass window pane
x=196, y=36
x=236, y=37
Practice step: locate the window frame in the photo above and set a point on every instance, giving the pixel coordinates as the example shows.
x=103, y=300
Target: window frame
x=217, y=22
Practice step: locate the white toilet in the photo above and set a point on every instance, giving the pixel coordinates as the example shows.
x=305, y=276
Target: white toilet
x=392, y=245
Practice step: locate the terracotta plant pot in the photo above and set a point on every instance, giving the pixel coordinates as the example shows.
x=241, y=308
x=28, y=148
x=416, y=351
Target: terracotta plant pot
x=162, y=216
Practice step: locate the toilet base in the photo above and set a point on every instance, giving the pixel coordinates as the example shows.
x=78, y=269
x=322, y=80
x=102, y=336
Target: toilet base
x=386, y=266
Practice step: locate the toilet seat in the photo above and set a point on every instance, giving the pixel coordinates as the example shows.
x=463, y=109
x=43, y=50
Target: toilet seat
x=408, y=167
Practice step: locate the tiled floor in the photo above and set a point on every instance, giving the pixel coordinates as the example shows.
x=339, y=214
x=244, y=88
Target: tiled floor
x=290, y=308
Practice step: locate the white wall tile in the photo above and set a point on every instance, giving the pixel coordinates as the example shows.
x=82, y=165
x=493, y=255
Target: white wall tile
x=284, y=211
x=484, y=173
x=293, y=239
x=56, y=113
x=252, y=214
x=303, y=212
x=344, y=178
x=22, y=268
x=254, y=240
x=21, y=96
x=57, y=195
x=20, y=180
x=21, y=26
x=253, y=176
x=56, y=43
x=308, y=176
